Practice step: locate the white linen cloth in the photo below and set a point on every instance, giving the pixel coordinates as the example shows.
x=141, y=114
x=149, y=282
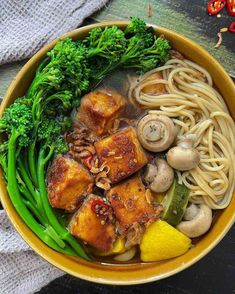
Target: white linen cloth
x=21, y=270
x=25, y=26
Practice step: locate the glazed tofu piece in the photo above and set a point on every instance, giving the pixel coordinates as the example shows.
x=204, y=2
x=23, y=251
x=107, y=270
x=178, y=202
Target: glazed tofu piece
x=157, y=88
x=99, y=109
x=121, y=153
x=68, y=182
x=93, y=224
x=132, y=204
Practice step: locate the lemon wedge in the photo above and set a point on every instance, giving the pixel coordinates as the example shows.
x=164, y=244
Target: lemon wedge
x=162, y=241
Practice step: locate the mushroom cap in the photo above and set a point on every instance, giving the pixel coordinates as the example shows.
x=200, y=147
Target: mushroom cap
x=183, y=159
x=159, y=175
x=150, y=173
x=156, y=132
x=199, y=225
x=190, y=212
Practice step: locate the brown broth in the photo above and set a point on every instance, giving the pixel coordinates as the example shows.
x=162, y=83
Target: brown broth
x=119, y=81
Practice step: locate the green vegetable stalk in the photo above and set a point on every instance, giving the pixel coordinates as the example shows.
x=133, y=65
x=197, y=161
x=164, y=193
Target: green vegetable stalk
x=33, y=126
x=16, y=199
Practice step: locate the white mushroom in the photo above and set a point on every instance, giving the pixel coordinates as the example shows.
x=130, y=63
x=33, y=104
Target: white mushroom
x=156, y=132
x=190, y=212
x=159, y=175
x=183, y=156
x=199, y=224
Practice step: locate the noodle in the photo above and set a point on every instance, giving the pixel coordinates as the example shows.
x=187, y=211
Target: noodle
x=196, y=108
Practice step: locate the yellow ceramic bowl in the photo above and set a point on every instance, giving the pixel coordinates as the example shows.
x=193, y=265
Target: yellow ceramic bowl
x=139, y=272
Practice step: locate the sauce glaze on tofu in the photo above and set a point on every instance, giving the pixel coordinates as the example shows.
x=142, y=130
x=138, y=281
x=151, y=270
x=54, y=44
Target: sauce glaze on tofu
x=68, y=182
x=100, y=178
x=132, y=203
x=93, y=223
x=122, y=153
x=99, y=109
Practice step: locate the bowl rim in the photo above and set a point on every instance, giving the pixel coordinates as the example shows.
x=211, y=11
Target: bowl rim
x=12, y=214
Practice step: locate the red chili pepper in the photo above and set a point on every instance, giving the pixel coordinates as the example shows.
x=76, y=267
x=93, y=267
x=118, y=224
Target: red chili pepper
x=215, y=6
x=87, y=161
x=231, y=7
x=232, y=27
x=99, y=207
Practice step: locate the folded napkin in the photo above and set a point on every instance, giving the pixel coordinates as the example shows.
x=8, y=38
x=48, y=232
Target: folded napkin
x=26, y=25
x=21, y=270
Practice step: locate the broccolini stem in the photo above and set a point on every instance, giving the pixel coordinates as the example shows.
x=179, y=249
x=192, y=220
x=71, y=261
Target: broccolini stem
x=42, y=65
x=64, y=234
x=31, y=189
x=26, y=179
x=37, y=207
x=16, y=199
x=18, y=150
x=25, y=160
x=23, y=189
x=32, y=163
x=52, y=233
x=36, y=113
x=38, y=79
x=42, y=218
x=34, y=210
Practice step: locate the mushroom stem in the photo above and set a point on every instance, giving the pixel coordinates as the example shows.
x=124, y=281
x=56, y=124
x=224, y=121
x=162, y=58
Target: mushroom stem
x=186, y=141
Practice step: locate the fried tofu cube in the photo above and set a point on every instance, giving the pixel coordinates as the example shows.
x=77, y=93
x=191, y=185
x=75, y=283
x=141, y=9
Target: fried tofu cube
x=92, y=225
x=121, y=153
x=157, y=88
x=99, y=109
x=68, y=182
x=132, y=203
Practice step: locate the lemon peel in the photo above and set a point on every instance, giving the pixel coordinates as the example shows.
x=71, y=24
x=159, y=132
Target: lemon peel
x=162, y=241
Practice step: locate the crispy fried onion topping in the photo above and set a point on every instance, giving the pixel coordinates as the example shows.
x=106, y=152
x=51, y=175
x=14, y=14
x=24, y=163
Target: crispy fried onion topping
x=101, y=175
x=81, y=142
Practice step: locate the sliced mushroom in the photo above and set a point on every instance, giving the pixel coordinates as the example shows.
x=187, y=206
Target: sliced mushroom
x=183, y=156
x=156, y=132
x=159, y=175
x=200, y=223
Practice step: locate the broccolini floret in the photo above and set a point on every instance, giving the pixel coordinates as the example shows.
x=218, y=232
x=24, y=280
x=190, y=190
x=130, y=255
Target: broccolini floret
x=50, y=134
x=108, y=43
x=136, y=26
x=17, y=121
x=136, y=47
x=138, y=56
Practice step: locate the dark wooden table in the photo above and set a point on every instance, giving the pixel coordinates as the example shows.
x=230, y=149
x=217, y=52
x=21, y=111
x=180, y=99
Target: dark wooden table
x=216, y=272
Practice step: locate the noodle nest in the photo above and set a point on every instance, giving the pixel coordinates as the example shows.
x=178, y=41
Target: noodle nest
x=196, y=108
